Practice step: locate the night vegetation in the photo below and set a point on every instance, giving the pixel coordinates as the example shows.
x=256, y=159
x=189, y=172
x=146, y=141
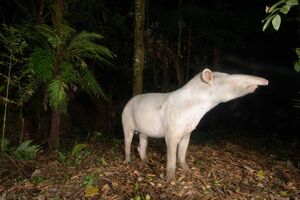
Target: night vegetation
x=67, y=69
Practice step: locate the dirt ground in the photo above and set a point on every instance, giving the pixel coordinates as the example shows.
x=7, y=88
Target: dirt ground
x=220, y=170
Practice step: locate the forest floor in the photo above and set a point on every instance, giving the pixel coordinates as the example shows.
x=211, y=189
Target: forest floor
x=221, y=169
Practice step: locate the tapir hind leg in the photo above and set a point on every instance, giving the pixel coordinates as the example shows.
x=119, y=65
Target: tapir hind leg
x=128, y=135
x=143, y=147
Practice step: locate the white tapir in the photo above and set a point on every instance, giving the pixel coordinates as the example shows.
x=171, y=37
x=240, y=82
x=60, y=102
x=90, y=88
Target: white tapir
x=176, y=114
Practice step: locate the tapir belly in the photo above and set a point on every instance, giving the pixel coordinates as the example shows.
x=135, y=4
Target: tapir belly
x=149, y=123
x=148, y=114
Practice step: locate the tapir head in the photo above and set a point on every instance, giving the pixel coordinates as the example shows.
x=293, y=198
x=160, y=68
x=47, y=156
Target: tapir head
x=225, y=87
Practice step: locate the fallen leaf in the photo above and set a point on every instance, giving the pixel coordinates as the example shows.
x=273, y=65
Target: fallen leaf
x=91, y=191
x=261, y=174
x=36, y=172
x=105, y=189
x=283, y=193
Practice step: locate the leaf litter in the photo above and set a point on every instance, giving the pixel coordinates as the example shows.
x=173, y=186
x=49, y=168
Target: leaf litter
x=222, y=170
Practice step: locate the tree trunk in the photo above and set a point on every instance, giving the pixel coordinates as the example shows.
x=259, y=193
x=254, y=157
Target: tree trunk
x=53, y=139
x=179, y=71
x=139, y=47
x=155, y=73
x=188, y=56
x=178, y=63
x=57, y=18
x=39, y=11
x=166, y=80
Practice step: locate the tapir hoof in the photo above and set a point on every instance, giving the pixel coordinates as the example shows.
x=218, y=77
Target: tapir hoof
x=127, y=161
x=186, y=168
x=170, y=175
x=145, y=160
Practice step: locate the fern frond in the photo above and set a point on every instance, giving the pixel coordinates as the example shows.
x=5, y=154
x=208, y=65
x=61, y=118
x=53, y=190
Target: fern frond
x=25, y=93
x=87, y=49
x=49, y=33
x=84, y=45
x=65, y=33
x=78, y=148
x=89, y=84
x=297, y=103
x=41, y=61
x=57, y=92
x=68, y=72
x=27, y=151
x=83, y=35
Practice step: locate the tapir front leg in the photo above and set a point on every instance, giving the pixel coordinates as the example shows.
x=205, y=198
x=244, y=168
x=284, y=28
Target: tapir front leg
x=182, y=148
x=172, y=143
x=143, y=147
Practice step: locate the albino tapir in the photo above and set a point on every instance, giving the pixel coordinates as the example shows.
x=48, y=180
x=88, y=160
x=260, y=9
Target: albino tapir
x=176, y=114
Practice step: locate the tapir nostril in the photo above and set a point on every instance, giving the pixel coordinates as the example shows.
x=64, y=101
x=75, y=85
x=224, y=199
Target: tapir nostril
x=263, y=81
x=267, y=82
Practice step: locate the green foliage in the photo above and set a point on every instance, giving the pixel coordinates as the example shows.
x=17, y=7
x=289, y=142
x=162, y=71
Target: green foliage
x=76, y=45
x=41, y=61
x=1, y=88
x=88, y=180
x=57, y=94
x=282, y=6
x=5, y=146
x=27, y=90
x=67, y=50
x=79, y=152
x=283, y=193
x=297, y=62
x=13, y=42
x=38, y=179
x=75, y=155
x=69, y=73
x=297, y=102
x=103, y=161
x=27, y=151
x=95, y=136
x=62, y=158
x=138, y=195
x=14, y=73
x=89, y=83
x=78, y=148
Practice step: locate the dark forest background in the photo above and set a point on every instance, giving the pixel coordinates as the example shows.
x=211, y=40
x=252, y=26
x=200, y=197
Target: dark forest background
x=225, y=36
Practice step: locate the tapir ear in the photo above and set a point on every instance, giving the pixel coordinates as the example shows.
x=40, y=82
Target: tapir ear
x=207, y=76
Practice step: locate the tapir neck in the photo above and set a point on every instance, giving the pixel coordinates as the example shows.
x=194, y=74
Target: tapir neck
x=193, y=101
x=198, y=93
x=191, y=106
